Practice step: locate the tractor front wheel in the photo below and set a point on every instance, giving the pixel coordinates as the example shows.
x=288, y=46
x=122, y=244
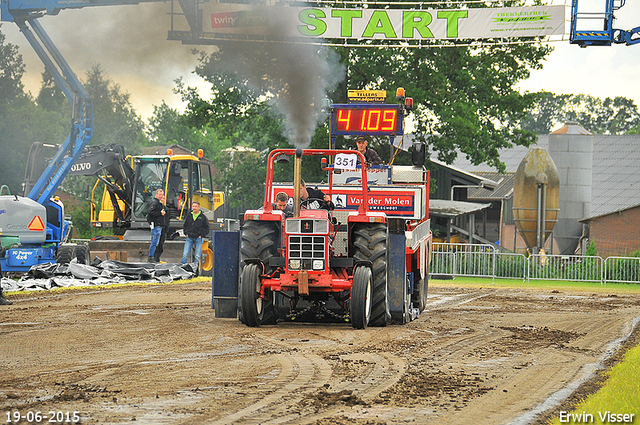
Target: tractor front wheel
x=259, y=240
x=361, y=294
x=251, y=304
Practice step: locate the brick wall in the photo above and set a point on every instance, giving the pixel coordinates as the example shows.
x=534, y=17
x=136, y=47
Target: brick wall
x=616, y=234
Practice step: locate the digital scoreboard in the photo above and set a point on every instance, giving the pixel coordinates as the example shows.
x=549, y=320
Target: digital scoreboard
x=367, y=119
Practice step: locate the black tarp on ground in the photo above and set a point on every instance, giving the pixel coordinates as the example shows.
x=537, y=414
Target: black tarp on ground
x=47, y=276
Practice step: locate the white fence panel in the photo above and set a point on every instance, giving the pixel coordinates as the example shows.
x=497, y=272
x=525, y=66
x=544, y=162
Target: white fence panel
x=478, y=260
x=622, y=269
x=511, y=266
x=565, y=267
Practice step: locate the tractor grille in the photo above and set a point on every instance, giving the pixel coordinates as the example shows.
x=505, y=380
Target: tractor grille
x=306, y=249
x=307, y=243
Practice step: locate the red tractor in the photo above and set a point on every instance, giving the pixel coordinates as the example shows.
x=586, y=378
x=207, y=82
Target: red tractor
x=361, y=258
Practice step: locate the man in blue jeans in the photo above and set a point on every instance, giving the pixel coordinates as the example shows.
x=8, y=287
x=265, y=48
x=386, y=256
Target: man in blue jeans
x=3, y=300
x=196, y=227
x=157, y=219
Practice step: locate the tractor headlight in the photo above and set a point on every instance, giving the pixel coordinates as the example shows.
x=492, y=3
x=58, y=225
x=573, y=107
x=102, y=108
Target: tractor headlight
x=318, y=264
x=294, y=264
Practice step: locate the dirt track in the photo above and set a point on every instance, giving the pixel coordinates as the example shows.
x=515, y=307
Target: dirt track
x=157, y=354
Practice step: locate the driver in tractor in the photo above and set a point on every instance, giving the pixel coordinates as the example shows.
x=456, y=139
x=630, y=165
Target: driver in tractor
x=282, y=203
x=314, y=199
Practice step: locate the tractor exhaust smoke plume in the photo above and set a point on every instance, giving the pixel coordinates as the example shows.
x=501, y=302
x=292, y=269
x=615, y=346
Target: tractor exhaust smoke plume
x=128, y=42
x=296, y=76
x=130, y=45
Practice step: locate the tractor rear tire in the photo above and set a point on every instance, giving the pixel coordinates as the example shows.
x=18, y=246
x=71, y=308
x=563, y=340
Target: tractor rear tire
x=251, y=304
x=370, y=244
x=259, y=240
x=361, y=297
x=65, y=253
x=422, y=294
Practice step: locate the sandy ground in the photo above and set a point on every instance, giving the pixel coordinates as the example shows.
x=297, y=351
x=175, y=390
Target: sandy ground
x=158, y=355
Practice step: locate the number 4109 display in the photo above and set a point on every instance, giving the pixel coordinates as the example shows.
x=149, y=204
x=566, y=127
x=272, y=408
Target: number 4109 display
x=378, y=120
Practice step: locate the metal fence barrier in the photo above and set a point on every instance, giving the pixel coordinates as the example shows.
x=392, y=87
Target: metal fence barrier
x=463, y=260
x=621, y=269
x=478, y=260
x=565, y=267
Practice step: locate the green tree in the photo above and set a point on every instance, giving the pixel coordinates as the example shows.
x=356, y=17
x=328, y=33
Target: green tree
x=237, y=112
x=546, y=114
x=166, y=126
x=243, y=178
x=51, y=98
x=11, y=72
x=235, y=115
x=21, y=121
x=11, y=96
x=115, y=120
x=592, y=249
x=464, y=96
x=617, y=115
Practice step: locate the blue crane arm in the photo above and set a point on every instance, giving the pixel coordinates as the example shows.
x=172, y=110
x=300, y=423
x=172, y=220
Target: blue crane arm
x=18, y=9
x=12, y=10
x=82, y=107
x=25, y=13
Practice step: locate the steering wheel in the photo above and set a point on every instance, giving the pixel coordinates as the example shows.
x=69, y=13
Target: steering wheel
x=322, y=204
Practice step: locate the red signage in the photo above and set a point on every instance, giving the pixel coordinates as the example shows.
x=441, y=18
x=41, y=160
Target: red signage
x=401, y=202
x=393, y=203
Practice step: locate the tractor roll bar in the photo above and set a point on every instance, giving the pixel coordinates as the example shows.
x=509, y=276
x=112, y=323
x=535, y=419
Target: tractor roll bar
x=364, y=207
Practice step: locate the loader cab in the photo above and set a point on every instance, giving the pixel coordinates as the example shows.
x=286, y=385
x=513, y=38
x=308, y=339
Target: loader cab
x=184, y=179
x=188, y=181
x=149, y=172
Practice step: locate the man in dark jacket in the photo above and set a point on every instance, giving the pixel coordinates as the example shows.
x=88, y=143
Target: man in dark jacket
x=314, y=199
x=3, y=300
x=370, y=155
x=196, y=227
x=157, y=217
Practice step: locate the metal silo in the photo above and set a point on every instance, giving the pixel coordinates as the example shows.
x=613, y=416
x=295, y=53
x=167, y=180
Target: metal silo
x=571, y=148
x=536, y=197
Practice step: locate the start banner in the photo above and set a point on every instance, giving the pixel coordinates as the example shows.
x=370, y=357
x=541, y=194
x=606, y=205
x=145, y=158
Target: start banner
x=280, y=22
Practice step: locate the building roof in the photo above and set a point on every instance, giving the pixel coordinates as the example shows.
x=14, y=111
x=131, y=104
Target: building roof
x=467, y=177
x=584, y=220
x=503, y=189
x=616, y=170
x=451, y=209
x=572, y=128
